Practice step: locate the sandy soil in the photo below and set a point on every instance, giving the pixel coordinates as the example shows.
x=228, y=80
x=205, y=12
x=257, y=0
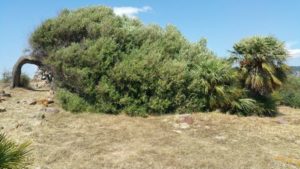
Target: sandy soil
x=90, y=141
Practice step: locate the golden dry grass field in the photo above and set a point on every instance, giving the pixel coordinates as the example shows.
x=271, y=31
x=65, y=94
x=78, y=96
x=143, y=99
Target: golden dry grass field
x=90, y=141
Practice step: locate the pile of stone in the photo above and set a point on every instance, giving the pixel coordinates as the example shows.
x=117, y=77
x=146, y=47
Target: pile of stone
x=41, y=79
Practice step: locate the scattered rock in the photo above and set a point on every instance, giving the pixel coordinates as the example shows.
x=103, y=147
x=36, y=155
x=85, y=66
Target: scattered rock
x=184, y=126
x=3, y=94
x=7, y=95
x=50, y=100
x=39, y=116
x=185, y=118
x=19, y=125
x=43, y=116
x=181, y=125
x=281, y=121
x=177, y=131
x=2, y=109
x=32, y=102
x=45, y=102
x=2, y=99
x=51, y=93
x=50, y=110
x=220, y=137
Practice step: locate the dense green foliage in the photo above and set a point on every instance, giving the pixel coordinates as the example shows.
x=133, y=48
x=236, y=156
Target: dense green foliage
x=262, y=68
x=71, y=101
x=289, y=94
x=115, y=64
x=12, y=156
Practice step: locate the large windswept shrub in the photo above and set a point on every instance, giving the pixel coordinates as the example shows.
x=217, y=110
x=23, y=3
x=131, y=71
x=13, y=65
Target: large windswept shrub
x=12, y=155
x=117, y=64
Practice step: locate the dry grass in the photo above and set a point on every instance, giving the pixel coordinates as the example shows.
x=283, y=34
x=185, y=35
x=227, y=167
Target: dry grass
x=89, y=141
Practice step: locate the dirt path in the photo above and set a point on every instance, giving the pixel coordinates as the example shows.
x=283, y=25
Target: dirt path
x=90, y=141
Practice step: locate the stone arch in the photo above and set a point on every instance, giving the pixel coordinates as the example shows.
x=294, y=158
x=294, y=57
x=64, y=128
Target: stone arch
x=16, y=73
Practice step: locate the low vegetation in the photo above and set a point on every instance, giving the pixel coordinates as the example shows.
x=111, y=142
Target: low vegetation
x=12, y=155
x=289, y=94
x=7, y=78
x=117, y=64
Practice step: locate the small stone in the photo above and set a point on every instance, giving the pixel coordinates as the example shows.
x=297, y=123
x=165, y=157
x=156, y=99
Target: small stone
x=7, y=95
x=43, y=116
x=281, y=121
x=50, y=100
x=177, y=131
x=19, y=125
x=2, y=109
x=3, y=94
x=2, y=99
x=185, y=118
x=50, y=110
x=220, y=137
x=184, y=126
x=32, y=102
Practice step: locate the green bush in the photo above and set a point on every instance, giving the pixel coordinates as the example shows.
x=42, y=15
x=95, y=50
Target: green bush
x=289, y=94
x=119, y=65
x=13, y=156
x=71, y=101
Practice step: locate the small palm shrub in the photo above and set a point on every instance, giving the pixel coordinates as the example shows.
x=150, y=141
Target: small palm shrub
x=262, y=67
x=12, y=155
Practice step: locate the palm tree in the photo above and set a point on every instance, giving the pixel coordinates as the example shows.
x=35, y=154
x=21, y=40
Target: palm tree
x=12, y=156
x=261, y=63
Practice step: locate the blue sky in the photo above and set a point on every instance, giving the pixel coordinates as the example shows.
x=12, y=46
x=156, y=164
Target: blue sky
x=222, y=22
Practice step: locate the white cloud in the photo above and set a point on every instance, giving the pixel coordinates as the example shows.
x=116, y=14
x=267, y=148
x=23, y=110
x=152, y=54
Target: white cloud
x=130, y=12
x=294, y=53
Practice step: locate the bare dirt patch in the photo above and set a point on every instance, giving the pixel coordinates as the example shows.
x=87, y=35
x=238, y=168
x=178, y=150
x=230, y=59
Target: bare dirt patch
x=62, y=140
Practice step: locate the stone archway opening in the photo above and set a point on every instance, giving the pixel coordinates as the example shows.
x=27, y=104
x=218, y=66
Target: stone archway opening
x=17, y=69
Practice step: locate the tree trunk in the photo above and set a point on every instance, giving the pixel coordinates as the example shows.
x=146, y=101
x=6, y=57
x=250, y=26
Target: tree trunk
x=16, y=73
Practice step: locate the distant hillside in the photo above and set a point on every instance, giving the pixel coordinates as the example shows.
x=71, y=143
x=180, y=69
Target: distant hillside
x=296, y=70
